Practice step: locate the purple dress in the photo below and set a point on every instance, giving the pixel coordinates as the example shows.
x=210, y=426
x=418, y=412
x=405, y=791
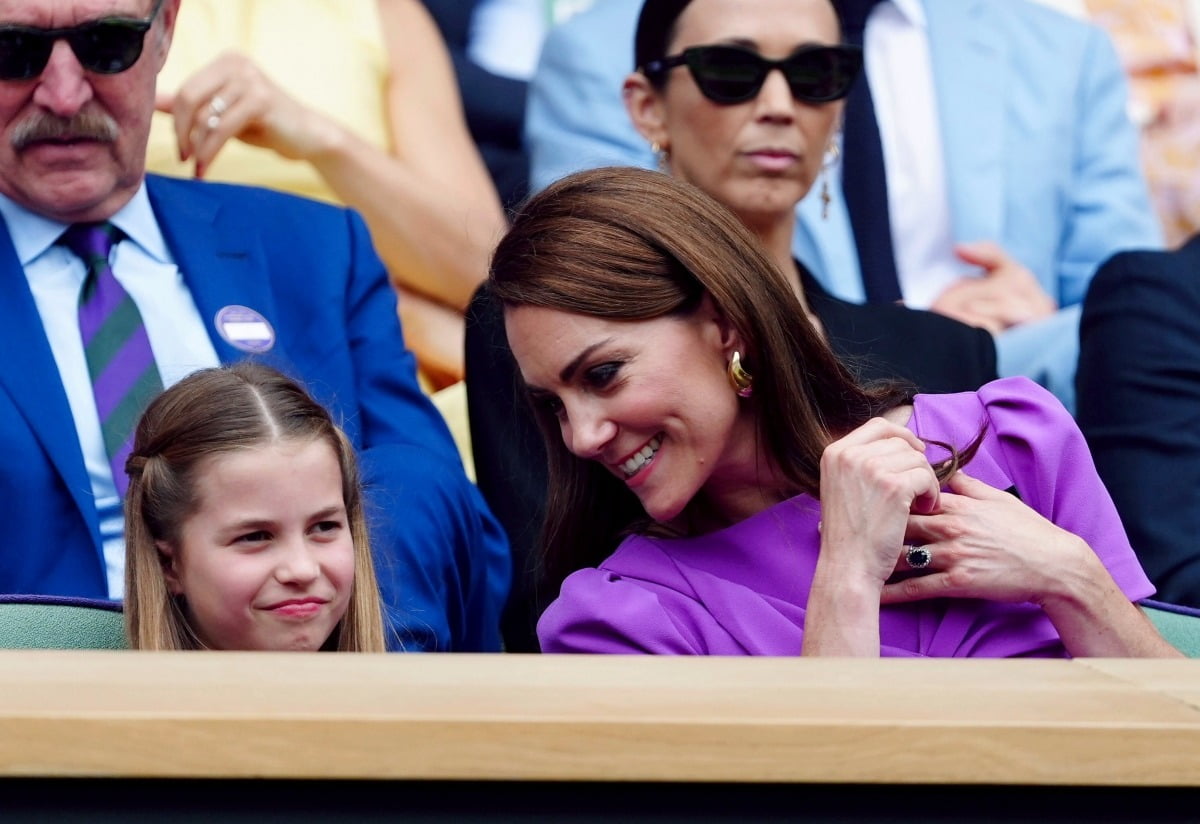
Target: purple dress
x=742, y=590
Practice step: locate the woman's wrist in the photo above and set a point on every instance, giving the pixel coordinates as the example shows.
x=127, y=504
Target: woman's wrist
x=325, y=139
x=842, y=616
x=1077, y=578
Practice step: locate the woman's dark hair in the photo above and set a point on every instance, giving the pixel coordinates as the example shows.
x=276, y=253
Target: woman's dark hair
x=656, y=30
x=213, y=412
x=629, y=244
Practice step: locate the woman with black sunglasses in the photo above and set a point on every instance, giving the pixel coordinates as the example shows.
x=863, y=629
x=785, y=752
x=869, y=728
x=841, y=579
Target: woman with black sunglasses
x=753, y=121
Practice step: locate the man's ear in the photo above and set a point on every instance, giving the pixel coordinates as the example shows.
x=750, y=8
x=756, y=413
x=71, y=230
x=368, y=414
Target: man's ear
x=168, y=558
x=645, y=108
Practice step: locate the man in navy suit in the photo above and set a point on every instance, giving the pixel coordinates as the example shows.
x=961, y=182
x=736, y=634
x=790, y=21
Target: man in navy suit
x=1139, y=406
x=218, y=273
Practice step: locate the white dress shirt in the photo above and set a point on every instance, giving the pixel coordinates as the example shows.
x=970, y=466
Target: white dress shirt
x=144, y=267
x=506, y=35
x=896, y=53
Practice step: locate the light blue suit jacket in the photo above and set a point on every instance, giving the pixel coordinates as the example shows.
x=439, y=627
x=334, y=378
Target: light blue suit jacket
x=1040, y=154
x=310, y=269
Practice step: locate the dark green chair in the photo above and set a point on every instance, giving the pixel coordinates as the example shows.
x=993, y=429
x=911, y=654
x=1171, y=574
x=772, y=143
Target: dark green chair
x=1178, y=624
x=55, y=622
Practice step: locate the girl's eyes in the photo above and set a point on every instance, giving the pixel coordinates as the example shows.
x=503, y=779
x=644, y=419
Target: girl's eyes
x=326, y=527
x=254, y=537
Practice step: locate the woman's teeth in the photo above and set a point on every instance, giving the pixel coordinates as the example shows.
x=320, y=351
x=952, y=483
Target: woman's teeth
x=640, y=459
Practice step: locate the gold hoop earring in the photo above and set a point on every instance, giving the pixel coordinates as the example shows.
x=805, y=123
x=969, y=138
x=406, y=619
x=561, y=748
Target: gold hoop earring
x=833, y=154
x=741, y=380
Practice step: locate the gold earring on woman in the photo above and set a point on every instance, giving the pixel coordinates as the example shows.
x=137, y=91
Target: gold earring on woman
x=742, y=381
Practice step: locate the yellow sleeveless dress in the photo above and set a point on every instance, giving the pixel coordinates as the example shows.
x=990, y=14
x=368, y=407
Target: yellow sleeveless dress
x=329, y=54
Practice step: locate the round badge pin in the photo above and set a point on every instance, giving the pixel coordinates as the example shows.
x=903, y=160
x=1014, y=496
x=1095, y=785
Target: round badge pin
x=245, y=329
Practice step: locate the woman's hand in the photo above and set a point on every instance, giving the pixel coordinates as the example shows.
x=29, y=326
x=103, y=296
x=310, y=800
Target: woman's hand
x=985, y=543
x=872, y=481
x=231, y=97
x=1005, y=295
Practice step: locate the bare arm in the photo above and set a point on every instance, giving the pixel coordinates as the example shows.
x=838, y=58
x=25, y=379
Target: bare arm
x=871, y=480
x=986, y=543
x=430, y=205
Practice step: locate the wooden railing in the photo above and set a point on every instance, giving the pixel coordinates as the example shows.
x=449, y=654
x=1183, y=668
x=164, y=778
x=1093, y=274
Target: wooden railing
x=598, y=719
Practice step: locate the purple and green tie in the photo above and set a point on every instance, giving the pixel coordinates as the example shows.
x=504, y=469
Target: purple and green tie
x=120, y=361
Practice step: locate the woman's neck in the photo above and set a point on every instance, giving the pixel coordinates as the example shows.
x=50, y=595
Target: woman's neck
x=776, y=238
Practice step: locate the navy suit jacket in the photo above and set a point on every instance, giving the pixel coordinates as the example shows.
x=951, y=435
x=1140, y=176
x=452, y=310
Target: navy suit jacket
x=311, y=270
x=1139, y=406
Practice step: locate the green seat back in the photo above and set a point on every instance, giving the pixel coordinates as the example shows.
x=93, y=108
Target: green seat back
x=47, y=623
x=1180, y=626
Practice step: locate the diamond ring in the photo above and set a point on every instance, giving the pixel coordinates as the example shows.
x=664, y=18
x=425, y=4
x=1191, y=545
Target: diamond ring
x=918, y=557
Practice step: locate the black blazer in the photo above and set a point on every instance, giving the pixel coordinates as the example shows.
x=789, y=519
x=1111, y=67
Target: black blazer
x=1138, y=396
x=494, y=105
x=932, y=352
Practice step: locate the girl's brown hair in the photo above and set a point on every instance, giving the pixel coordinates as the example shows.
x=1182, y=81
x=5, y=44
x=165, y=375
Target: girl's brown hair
x=210, y=412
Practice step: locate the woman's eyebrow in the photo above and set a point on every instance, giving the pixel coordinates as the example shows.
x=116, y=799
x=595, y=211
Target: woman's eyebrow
x=568, y=371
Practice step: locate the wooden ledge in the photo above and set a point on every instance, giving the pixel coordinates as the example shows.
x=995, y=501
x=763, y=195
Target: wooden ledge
x=612, y=718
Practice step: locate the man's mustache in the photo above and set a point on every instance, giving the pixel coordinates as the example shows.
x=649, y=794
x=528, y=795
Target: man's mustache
x=42, y=126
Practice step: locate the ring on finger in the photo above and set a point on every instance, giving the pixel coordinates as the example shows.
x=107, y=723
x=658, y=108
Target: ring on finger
x=917, y=556
x=213, y=121
x=218, y=105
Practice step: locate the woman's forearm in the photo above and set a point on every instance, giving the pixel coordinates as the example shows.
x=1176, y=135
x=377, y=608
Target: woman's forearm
x=1095, y=619
x=434, y=238
x=842, y=616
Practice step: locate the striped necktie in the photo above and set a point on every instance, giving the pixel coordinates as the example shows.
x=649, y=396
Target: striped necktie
x=120, y=361
x=864, y=177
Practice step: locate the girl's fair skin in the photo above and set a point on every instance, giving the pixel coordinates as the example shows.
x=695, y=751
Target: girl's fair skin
x=265, y=561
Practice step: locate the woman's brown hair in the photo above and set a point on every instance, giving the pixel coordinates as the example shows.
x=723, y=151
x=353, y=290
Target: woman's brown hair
x=629, y=244
x=211, y=412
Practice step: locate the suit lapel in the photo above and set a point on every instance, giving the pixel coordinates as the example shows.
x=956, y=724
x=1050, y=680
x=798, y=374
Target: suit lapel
x=29, y=375
x=970, y=77
x=222, y=264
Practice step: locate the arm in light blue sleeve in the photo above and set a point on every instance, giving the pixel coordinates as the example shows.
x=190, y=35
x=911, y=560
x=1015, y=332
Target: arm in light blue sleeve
x=575, y=117
x=1110, y=208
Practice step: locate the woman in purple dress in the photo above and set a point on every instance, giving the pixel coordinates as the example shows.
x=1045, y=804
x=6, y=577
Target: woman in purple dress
x=721, y=484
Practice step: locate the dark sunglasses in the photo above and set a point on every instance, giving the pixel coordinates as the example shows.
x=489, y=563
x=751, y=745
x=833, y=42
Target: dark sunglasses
x=106, y=46
x=731, y=74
